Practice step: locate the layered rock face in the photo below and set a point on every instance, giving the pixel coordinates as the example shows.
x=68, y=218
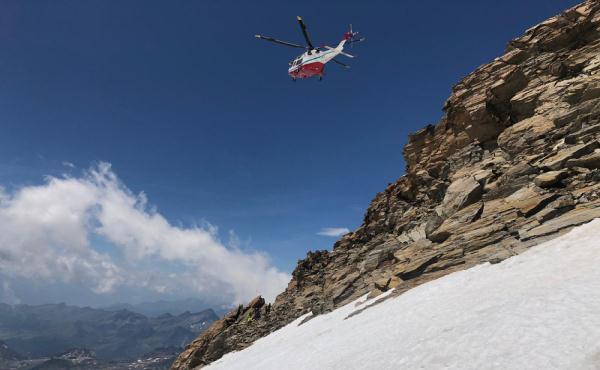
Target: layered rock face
x=514, y=161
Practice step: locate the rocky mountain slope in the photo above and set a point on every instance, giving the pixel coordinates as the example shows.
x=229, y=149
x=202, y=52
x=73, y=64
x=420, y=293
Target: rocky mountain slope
x=486, y=317
x=514, y=161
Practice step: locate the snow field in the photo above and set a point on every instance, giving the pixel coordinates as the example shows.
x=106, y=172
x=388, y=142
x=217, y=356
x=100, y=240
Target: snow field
x=538, y=310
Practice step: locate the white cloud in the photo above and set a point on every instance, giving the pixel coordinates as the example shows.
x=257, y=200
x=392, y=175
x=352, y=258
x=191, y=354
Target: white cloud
x=333, y=231
x=46, y=234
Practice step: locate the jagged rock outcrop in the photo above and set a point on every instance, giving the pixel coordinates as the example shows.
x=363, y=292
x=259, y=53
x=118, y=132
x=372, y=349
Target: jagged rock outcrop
x=514, y=161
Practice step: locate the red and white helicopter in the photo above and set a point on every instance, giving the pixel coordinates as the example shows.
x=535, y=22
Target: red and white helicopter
x=312, y=62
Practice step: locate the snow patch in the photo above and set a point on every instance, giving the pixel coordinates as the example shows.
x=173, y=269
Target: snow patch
x=538, y=310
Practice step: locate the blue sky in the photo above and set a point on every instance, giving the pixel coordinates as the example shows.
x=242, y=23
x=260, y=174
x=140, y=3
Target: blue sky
x=189, y=108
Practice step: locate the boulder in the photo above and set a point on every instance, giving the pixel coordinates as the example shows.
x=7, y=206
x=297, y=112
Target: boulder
x=518, y=136
x=557, y=161
x=461, y=193
x=433, y=222
x=379, y=254
x=519, y=170
x=586, y=133
x=530, y=200
x=515, y=56
x=576, y=217
x=416, y=267
x=233, y=315
x=590, y=161
x=374, y=293
x=480, y=235
x=550, y=179
x=459, y=219
x=384, y=284
x=257, y=302
x=412, y=260
x=413, y=250
x=556, y=208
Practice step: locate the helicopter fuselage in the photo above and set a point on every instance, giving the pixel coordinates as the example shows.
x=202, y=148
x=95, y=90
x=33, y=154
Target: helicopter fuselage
x=312, y=63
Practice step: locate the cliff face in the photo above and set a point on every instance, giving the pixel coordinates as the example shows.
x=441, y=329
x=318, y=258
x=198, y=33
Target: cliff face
x=514, y=161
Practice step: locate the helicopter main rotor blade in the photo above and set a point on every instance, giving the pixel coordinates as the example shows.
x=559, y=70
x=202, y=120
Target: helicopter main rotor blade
x=305, y=33
x=340, y=63
x=266, y=38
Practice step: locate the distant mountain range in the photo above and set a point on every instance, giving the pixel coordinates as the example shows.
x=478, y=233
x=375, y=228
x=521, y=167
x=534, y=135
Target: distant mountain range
x=177, y=307
x=45, y=330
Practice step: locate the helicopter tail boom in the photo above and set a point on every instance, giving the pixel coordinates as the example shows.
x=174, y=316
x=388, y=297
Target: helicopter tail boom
x=340, y=49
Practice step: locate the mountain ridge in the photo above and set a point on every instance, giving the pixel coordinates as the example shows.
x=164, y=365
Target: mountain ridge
x=514, y=162
x=160, y=307
x=44, y=330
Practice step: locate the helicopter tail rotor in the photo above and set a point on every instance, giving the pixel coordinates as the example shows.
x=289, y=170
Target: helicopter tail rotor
x=351, y=37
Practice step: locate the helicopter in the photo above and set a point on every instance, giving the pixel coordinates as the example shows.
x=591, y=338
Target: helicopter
x=312, y=62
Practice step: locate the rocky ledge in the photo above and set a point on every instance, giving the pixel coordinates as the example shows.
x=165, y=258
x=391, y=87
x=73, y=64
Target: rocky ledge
x=514, y=161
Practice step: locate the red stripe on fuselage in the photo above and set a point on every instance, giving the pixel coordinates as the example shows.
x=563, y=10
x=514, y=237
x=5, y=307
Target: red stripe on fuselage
x=308, y=70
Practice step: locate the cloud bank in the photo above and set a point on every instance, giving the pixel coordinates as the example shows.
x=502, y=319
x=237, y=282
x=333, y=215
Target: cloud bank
x=333, y=231
x=93, y=231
